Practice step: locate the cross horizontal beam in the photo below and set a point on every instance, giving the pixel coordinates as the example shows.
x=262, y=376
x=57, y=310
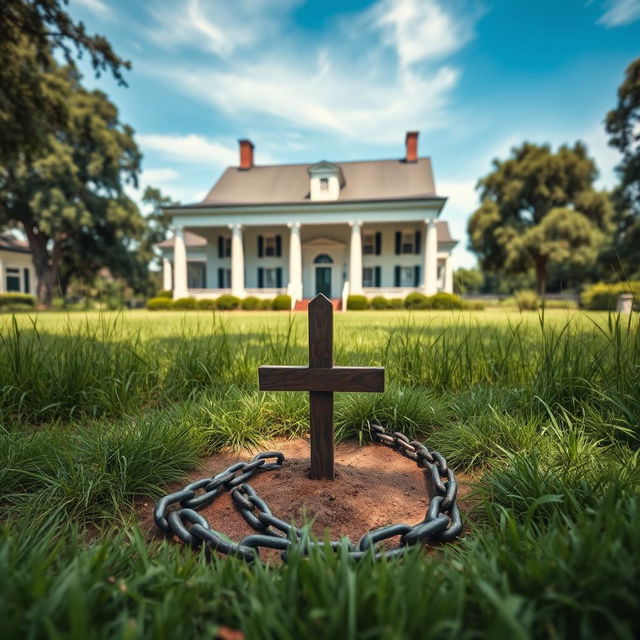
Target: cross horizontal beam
x=274, y=378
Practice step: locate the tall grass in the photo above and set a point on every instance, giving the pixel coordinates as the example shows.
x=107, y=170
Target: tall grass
x=544, y=410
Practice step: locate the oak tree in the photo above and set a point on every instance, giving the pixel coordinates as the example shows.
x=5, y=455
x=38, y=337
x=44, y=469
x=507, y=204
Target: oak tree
x=539, y=208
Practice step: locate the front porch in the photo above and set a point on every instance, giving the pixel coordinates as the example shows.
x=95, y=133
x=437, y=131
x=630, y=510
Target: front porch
x=390, y=259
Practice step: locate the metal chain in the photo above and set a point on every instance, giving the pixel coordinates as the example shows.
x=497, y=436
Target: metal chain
x=442, y=522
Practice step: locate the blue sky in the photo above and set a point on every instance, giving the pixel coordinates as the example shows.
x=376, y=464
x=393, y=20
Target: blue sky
x=345, y=80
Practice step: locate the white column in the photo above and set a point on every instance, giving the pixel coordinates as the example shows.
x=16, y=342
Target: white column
x=237, y=261
x=295, y=261
x=166, y=274
x=355, y=263
x=180, y=289
x=430, y=258
x=448, y=275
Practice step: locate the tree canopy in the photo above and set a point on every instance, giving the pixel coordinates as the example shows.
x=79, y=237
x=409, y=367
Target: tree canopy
x=623, y=127
x=70, y=199
x=32, y=99
x=539, y=208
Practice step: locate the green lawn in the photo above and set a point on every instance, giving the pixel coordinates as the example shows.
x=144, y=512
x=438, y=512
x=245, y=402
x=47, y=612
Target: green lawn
x=98, y=409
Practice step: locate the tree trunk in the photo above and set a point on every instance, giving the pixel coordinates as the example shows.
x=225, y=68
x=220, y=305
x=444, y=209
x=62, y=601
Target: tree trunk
x=541, y=275
x=46, y=266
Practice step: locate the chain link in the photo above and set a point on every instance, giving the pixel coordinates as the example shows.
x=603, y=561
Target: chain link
x=442, y=522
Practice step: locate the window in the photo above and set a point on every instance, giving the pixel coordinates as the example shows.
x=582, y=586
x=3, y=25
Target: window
x=224, y=246
x=407, y=244
x=324, y=184
x=271, y=278
x=367, y=277
x=270, y=249
x=323, y=258
x=13, y=279
x=196, y=275
x=368, y=244
x=27, y=281
x=224, y=278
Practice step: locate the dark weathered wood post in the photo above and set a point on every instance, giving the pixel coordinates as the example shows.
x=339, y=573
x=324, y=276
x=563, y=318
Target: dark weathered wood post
x=321, y=379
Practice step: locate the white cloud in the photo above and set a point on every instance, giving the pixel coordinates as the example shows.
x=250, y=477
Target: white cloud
x=620, y=12
x=190, y=148
x=342, y=82
x=160, y=175
x=98, y=7
x=218, y=26
x=421, y=29
x=606, y=157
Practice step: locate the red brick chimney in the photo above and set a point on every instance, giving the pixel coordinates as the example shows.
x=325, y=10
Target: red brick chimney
x=246, y=154
x=411, y=143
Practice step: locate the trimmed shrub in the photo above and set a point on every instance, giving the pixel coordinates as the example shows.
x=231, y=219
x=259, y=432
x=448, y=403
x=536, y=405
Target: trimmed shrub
x=250, y=303
x=396, y=303
x=473, y=305
x=380, y=302
x=446, y=301
x=17, y=301
x=159, y=304
x=357, y=303
x=417, y=301
x=265, y=305
x=604, y=297
x=527, y=300
x=164, y=293
x=227, y=302
x=282, y=303
x=206, y=304
x=184, y=303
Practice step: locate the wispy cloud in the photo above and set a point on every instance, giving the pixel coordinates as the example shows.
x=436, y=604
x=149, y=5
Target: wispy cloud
x=97, y=7
x=370, y=77
x=190, y=148
x=620, y=13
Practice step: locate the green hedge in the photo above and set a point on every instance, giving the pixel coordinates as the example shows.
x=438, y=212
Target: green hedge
x=357, y=303
x=206, y=304
x=227, y=302
x=282, y=303
x=265, y=305
x=417, y=301
x=164, y=293
x=250, y=303
x=184, y=303
x=17, y=301
x=380, y=302
x=604, y=297
x=159, y=304
x=446, y=301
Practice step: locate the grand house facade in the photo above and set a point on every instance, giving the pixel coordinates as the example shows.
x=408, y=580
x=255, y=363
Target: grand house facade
x=335, y=228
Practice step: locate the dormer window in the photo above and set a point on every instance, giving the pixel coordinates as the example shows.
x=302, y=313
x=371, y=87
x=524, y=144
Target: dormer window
x=325, y=181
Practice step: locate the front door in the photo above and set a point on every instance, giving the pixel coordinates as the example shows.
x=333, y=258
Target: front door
x=323, y=281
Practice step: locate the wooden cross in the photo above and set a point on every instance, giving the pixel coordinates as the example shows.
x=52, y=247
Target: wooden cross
x=321, y=379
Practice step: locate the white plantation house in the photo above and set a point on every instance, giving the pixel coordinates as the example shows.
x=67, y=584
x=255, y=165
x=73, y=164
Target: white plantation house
x=336, y=228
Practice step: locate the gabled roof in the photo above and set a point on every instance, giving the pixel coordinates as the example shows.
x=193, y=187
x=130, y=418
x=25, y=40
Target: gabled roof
x=289, y=183
x=190, y=240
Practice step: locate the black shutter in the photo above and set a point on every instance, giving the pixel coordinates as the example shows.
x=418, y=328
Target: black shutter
x=260, y=246
x=279, y=246
x=378, y=276
x=221, y=277
x=220, y=247
x=416, y=276
x=260, y=278
x=398, y=242
x=279, y=276
x=378, y=243
x=396, y=276
x=418, y=238
x=27, y=286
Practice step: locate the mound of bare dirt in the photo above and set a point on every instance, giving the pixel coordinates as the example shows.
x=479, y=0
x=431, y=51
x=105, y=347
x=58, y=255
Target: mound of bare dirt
x=374, y=486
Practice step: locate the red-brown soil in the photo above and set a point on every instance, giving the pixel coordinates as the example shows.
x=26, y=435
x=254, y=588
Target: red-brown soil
x=374, y=486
